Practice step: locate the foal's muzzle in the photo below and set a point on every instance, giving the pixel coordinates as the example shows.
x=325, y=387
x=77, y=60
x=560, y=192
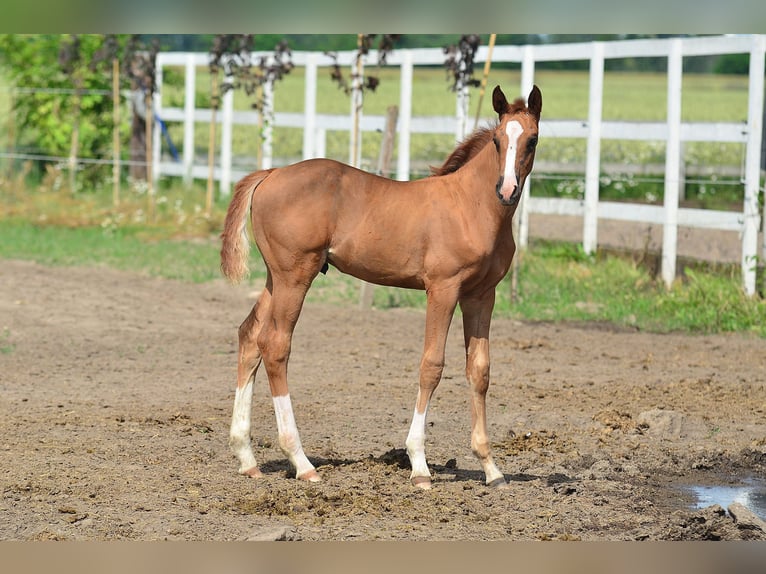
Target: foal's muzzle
x=508, y=197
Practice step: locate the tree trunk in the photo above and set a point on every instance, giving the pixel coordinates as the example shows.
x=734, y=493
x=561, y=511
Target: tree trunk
x=138, y=136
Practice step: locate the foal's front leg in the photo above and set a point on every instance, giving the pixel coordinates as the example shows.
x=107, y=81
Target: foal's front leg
x=439, y=310
x=477, y=314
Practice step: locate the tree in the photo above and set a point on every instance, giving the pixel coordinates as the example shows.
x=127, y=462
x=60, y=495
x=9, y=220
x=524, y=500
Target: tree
x=58, y=79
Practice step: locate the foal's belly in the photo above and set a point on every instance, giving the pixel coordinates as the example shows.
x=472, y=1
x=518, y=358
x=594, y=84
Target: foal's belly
x=378, y=269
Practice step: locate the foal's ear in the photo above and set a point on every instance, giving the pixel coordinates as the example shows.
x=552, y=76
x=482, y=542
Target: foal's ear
x=535, y=102
x=499, y=103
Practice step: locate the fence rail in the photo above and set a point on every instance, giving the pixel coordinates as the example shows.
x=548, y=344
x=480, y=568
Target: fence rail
x=593, y=130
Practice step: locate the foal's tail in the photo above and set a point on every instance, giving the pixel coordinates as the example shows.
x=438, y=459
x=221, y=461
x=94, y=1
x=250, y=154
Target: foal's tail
x=236, y=246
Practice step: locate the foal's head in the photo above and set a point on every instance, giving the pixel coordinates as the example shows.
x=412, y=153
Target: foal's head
x=515, y=139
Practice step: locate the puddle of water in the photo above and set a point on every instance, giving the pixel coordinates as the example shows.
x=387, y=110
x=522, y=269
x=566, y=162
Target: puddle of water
x=751, y=494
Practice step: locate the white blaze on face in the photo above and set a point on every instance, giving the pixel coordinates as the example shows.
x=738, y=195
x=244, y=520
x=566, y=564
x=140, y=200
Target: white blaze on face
x=513, y=130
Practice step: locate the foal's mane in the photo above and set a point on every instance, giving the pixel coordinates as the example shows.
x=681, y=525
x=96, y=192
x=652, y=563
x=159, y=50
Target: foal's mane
x=474, y=143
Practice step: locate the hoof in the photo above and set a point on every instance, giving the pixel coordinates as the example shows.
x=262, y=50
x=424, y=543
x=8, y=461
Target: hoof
x=310, y=476
x=499, y=484
x=423, y=482
x=253, y=472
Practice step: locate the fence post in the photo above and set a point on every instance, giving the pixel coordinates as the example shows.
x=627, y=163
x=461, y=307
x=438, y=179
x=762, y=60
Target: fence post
x=227, y=116
x=151, y=148
x=762, y=262
x=593, y=161
x=320, y=143
x=267, y=113
x=461, y=106
x=116, y=132
x=367, y=292
x=310, y=108
x=214, y=96
x=155, y=103
x=672, y=162
x=357, y=101
x=753, y=166
x=405, y=118
x=527, y=81
x=387, y=143
x=520, y=224
x=190, y=82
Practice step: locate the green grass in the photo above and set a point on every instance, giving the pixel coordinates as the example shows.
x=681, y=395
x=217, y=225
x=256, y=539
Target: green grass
x=121, y=249
x=560, y=282
x=6, y=347
x=557, y=282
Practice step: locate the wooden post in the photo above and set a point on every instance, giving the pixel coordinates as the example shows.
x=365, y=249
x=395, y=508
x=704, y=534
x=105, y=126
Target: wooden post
x=190, y=83
x=761, y=269
x=461, y=106
x=137, y=135
x=259, y=147
x=384, y=167
x=593, y=165
x=116, y=131
x=484, y=77
x=310, y=146
x=75, y=141
x=520, y=226
x=267, y=116
x=672, y=160
x=405, y=117
x=356, y=106
x=387, y=144
x=753, y=166
x=227, y=119
x=149, y=153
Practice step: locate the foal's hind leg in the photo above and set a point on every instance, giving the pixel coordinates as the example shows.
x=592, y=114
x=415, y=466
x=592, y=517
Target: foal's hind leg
x=275, y=340
x=249, y=358
x=477, y=314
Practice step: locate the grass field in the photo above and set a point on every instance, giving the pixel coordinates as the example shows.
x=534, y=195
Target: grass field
x=557, y=282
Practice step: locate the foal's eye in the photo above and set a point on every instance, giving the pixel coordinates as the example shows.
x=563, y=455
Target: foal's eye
x=532, y=143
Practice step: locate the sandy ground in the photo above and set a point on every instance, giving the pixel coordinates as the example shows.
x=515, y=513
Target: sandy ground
x=116, y=391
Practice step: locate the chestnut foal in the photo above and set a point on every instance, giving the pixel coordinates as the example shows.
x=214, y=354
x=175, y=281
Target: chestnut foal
x=449, y=234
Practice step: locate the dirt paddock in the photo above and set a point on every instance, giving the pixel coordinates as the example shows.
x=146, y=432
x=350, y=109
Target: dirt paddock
x=116, y=391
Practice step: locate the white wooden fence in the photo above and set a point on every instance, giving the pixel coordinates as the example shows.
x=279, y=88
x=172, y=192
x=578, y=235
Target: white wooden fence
x=673, y=131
